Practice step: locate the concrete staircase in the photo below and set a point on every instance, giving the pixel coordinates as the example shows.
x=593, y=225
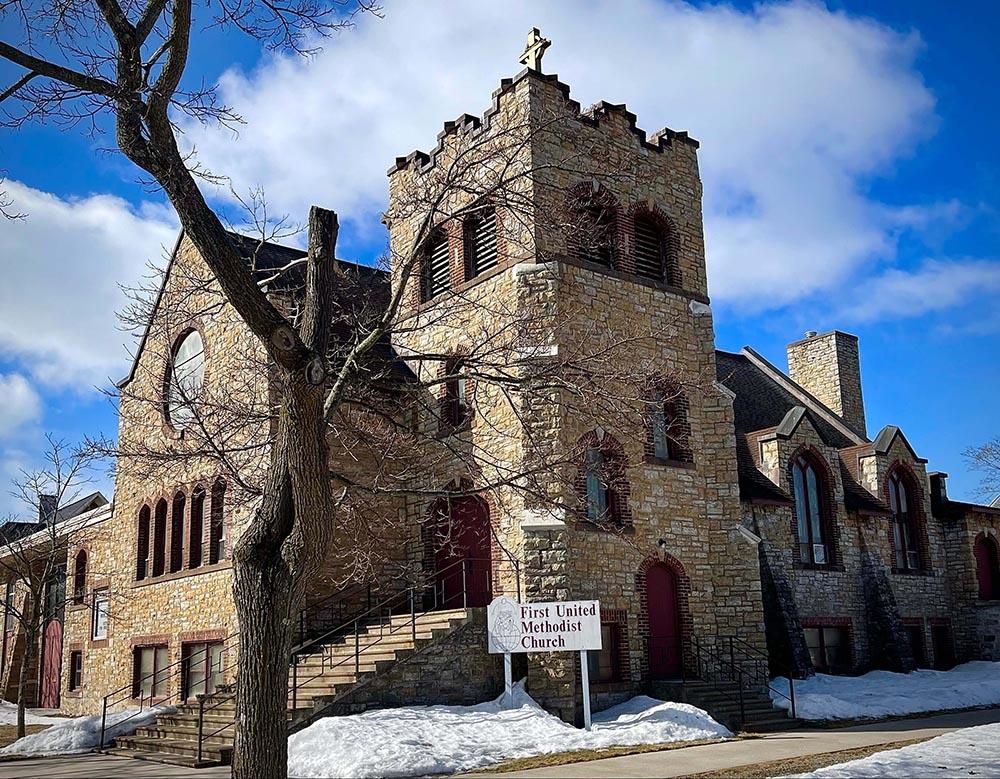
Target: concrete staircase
x=334, y=670
x=722, y=701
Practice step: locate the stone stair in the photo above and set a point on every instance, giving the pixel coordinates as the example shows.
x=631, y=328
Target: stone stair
x=722, y=701
x=321, y=678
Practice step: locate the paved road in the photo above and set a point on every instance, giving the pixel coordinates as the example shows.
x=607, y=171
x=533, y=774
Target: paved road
x=775, y=746
x=676, y=762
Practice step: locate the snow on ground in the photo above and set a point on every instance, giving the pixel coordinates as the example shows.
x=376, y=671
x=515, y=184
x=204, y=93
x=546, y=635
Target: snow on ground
x=883, y=693
x=966, y=752
x=8, y=716
x=81, y=734
x=420, y=740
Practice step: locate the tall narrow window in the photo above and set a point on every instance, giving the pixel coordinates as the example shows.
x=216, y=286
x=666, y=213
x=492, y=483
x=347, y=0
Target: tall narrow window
x=185, y=378
x=217, y=534
x=455, y=410
x=437, y=267
x=159, y=537
x=201, y=668
x=603, y=664
x=80, y=577
x=142, y=545
x=904, y=526
x=99, y=620
x=177, y=533
x=596, y=234
x=602, y=483
x=987, y=567
x=669, y=428
x=75, y=670
x=650, y=248
x=197, y=527
x=598, y=492
x=149, y=674
x=809, y=508
x=480, y=233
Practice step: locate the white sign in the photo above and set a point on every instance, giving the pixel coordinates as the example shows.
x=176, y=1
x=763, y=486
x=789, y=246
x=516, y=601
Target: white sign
x=560, y=626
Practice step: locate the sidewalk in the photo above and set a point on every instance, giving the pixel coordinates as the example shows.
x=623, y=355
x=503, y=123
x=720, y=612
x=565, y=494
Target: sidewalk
x=774, y=746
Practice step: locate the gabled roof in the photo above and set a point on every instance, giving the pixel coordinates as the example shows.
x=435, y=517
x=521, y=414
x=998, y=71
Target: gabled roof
x=265, y=257
x=17, y=529
x=887, y=435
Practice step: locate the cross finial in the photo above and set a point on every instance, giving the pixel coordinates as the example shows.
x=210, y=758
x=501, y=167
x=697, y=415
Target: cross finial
x=535, y=50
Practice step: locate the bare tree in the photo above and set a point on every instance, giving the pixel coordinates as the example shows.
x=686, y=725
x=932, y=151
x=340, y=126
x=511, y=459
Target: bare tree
x=985, y=458
x=33, y=553
x=343, y=434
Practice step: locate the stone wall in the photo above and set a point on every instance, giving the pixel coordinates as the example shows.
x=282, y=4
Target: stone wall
x=829, y=367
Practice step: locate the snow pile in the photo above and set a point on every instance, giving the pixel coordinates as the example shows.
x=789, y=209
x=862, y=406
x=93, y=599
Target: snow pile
x=8, y=716
x=82, y=734
x=966, y=752
x=420, y=740
x=883, y=693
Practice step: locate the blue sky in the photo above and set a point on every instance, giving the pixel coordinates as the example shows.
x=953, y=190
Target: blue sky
x=849, y=160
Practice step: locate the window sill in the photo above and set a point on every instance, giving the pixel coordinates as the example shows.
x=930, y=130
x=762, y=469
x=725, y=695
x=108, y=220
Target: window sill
x=589, y=524
x=447, y=431
x=98, y=643
x=818, y=567
x=912, y=572
x=182, y=574
x=668, y=463
x=634, y=278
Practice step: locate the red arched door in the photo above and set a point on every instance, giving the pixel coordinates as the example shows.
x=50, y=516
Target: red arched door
x=664, y=623
x=51, y=664
x=462, y=560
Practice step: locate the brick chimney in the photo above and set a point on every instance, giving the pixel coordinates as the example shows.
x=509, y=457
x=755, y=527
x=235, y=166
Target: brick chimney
x=47, y=506
x=827, y=365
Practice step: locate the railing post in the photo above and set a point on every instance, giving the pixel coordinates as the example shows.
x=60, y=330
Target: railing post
x=104, y=720
x=791, y=691
x=732, y=656
x=295, y=681
x=302, y=625
x=413, y=615
x=517, y=578
x=357, y=651
x=201, y=724
x=739, y=681
x=465, y=599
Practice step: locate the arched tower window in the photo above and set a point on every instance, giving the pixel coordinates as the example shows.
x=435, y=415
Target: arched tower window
x=455, y=407
x=905, y=528
x=669, y=430
x=142, y=544
x=650, y=248
x=436, y=275
x=159, y=537
x=987, y=567
x=80, y=577
x=812, y=518
x=602, y=481
x=480, y=242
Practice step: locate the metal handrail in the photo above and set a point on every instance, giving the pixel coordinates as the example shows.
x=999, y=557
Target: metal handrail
x=137, y=684
x=381, y=613
x=306, y=613
x=762, y=658
x=735, y=671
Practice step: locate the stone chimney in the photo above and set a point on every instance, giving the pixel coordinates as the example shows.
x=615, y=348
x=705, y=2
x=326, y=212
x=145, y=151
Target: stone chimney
x=828, y=366
x=47, y=506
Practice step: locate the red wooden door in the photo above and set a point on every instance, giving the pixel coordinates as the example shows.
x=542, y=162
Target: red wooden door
x=664, y=623
x=51, y=664
x=986, y=568
x=463, y=556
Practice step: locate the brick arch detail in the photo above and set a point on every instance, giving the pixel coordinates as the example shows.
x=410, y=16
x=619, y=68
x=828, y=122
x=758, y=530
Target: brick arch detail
x=671, y=239
x=916, y=492
x=683, y=608
x=828, y=502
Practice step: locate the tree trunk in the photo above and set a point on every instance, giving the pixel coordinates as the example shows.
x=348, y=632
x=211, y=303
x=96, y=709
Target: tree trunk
x=272, y=560
x=22, y=680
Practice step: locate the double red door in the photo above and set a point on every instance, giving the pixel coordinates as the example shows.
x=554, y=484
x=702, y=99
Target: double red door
x=462, y=560
x=51, y=664
x=664, y=623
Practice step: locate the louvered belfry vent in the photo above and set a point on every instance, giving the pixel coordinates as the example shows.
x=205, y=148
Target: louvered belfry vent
x=598, y=235
x=437, y=277
x=481, y=244
x=650, y=249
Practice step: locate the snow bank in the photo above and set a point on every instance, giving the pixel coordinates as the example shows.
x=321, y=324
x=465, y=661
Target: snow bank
x=8, y=716
x=420, y=740
x=883, y=693
x=82, y=734
x=966, y=752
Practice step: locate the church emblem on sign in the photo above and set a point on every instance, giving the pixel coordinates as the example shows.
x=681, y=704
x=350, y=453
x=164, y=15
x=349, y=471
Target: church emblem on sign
x=505, y=624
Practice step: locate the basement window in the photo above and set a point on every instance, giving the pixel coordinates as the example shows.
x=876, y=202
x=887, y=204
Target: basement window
x=149, y=672
x=829, y=649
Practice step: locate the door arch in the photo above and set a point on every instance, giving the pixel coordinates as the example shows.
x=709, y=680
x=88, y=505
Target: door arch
x=462, y=553
x=663, y=587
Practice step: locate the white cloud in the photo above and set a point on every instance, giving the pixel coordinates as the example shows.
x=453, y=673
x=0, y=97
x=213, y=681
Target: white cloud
x=61, y=268
x=796, y=107
x=19, y=403
x=934, y=286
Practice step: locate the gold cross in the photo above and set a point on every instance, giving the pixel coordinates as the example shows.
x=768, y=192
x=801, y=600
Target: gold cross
x=534, y=50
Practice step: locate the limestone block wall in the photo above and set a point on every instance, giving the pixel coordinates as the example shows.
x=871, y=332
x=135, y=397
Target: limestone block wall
x=829, y=367
x=976, y=621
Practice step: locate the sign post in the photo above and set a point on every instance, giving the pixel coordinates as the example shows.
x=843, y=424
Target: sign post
x=559, y=626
